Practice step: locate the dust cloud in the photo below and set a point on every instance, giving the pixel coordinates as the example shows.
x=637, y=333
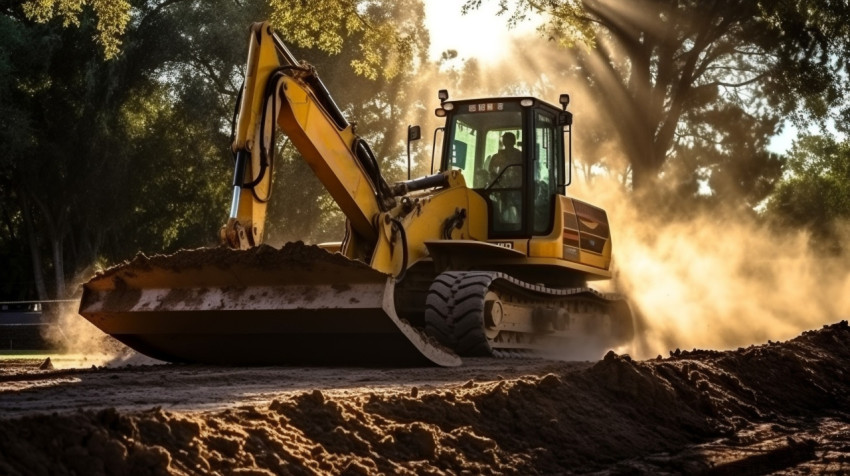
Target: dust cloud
x=717, y=281
x=79, y=344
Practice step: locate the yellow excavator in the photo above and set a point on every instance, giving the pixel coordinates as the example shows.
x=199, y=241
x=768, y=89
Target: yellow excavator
x=486, y=257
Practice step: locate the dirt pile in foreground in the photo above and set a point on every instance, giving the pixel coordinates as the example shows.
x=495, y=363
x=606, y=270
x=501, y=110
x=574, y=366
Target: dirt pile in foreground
x=775, y=407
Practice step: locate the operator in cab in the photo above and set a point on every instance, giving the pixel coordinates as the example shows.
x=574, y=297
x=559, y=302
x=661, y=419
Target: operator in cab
x=507, y=157
x=506, y=171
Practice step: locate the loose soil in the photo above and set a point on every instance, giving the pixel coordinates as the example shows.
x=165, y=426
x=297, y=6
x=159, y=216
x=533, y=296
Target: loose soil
x=774, y=408
x=259, y=257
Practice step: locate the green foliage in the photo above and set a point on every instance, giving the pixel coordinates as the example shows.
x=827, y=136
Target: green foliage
x=110, y=157
x=385, y=37
x=386, y=46
x=815, y=194
x=112, y=18
x=102, y=159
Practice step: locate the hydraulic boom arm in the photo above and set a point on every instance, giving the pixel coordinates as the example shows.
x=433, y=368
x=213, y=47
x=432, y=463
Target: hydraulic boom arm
x=279, y=89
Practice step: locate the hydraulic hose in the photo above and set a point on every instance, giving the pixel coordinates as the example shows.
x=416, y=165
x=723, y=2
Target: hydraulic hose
x=267, y=153
x=367, y=159
x=403, y=234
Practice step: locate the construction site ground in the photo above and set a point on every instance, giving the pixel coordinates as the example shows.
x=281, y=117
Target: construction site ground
x=780, y=408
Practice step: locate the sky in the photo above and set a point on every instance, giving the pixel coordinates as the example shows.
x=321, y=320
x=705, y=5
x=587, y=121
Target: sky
x=480, y=34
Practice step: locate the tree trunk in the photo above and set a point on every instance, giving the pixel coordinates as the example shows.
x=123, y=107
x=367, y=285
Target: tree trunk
x=35, y=251
x=58, y=265
x=55, y=227
x=643, y=176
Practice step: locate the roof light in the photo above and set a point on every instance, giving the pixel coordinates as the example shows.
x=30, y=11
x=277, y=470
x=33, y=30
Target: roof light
x=527, y=102
x=448, y=106
x=442, y=95
x=564, y=99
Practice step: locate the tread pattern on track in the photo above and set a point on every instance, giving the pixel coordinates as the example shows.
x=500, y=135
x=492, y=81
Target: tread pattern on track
x=454, y=312
x=454, y=307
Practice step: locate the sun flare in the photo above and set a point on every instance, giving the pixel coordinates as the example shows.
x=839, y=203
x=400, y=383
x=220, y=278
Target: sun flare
x=482, y=34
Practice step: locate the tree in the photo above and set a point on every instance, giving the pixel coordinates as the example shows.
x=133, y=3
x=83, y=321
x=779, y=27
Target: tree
x=69, y=154
x=385, y=37
x=108, y=154
x=661, y=68
x=385, y=47
x=104, y=158
x=112, y=18
x=815, y=193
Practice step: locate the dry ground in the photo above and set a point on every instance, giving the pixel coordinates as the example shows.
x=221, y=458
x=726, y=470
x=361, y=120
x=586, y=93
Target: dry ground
x=775, y=408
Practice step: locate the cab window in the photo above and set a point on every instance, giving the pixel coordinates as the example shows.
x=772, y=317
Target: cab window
x=476, y=137
x=487, y=147
x=547, y=170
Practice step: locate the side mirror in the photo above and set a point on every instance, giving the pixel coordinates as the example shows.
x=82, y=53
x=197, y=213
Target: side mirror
x=413, y=133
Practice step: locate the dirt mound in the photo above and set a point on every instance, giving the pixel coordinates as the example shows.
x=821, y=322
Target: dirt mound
x=262, y=256
x=774, y=407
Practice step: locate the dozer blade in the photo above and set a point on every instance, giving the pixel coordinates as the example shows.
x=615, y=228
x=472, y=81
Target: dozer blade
x=263, y=306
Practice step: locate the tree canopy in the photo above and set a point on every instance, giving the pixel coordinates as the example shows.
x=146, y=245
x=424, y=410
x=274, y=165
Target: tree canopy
x=102, y=158
x=675, y=78
x=386, y=42
x=815, y=192
x=112, y=18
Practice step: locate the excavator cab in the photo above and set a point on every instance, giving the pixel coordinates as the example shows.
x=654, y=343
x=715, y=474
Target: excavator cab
x=511, y=152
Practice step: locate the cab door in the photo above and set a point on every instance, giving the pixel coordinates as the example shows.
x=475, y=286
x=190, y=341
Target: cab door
x=546, y=171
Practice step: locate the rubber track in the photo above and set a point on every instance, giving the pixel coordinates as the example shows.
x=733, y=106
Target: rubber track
x=454, y=308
